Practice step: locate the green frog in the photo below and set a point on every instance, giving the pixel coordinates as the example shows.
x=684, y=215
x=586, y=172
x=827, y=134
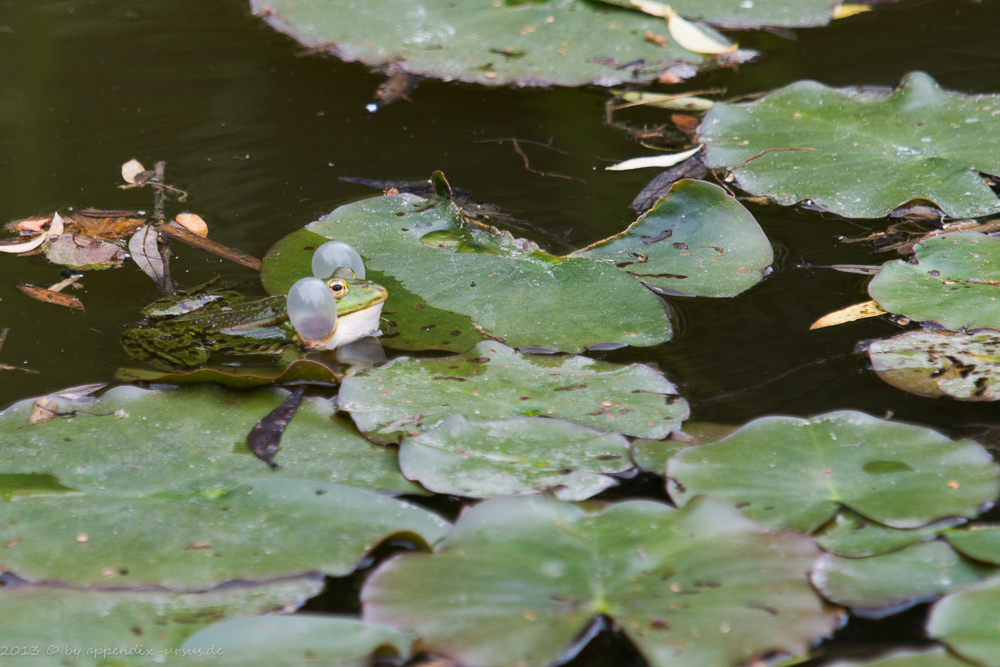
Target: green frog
x=183, y=331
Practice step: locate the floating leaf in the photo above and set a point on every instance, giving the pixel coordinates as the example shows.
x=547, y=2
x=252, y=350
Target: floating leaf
x=103, y=224
x=697, y=240
x=953, y=281
x=505, y=285
x=291, y=641
x=852, y=535
x=192, y=222
x=694, y=37
x=933, y=363
x=519, y=578
x=678, y=102
x=492, y=381
x=881, y=585
x=743, y=15
x=146, y=252
x=850, y=314
x=981, y=542
x=487, y=459
x=868, y=152
x=652, y=455
x=95, y=627
x=934, y=657
x=266, y=529
x=131, y=169
x=55, y=298
x=55, y=229
x=967, y=622
x=83, y=253
x=543, y=42
x=668, y=160
x=134, y=442
x=408, y=322
x=846, y=10
x=786, y=472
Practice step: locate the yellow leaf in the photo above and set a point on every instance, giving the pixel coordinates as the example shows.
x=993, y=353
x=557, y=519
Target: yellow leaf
x=131, y=169
x=843, y=11
x=661, y=161
x=26, y=246
x=42, y=411
x=856, y=312
x=651, y=7
x=693, y=37
x=193, y=223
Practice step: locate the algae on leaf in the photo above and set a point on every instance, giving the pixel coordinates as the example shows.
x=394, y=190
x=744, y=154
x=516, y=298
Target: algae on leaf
x=519, y=578
x=861, y=152
x=535, y=43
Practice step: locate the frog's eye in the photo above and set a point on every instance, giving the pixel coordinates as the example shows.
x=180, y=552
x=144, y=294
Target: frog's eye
x=312, y=310
x=339, y=287
x=333, y=255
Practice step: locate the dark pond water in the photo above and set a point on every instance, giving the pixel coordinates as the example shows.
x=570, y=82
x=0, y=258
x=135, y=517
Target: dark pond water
x=259, y=132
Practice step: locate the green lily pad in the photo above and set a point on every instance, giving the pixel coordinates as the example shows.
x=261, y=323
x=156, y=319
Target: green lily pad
x=265, y=529
x=852, y=535
x=291, y=641
x=182, y=441
x=541, y=42
x=935, y=657
x=869, y=152
x=505, y=285
x=408, y=323
x=91, y=628
x=881, y=585
x=933, y=363
x=743, y=15
x=953, y=281
x=520, y=577
x=511, y=456
x=786, y=472
x=236, y=377
x=652, y=455
x=696, y=241
x=967, y=622
x=492, y=381
x=981, y=542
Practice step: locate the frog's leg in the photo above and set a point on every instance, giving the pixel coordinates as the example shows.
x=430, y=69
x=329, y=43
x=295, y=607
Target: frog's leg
x=165, y=351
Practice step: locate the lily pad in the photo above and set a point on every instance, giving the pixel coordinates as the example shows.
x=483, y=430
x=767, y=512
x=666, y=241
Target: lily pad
x=881, y=585
x=652, y=455
x=743, y=15
x=852, y=535
x=967, y=622
x=520, y=577
x=505, y=285
x=941, y=363
x=492, y=381
x=407, y=323
x=536, y=43
x=263, y=530
x=935, y=657
x=291, y=641
x=953, y=281
x=134, y=442
x=981, y=542
x=861, y=153
x=236, y=377
x=487, y=459
x=103, y=627
x=696, y=241
x=786, y=472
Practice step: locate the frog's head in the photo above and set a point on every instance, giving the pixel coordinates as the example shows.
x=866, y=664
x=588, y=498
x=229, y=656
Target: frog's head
x=331, y=310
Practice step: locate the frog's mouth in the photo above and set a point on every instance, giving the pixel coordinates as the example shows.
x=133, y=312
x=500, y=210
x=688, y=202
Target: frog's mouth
x=352, y=326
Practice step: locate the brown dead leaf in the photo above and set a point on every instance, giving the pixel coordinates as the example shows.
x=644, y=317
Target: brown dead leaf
x=90, y=223
x=193, y=223
x=687, y=124
x=31, y=225
x=42, y=411
x=659, y=40
x=131, y=169
x=856, y=312
x=48, y=296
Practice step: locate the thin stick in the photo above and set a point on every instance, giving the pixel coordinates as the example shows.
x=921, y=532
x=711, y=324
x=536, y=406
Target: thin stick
x=517, y=147
x=192, y=239
x=159, y=206
x=771, y=150
x=777, y=377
